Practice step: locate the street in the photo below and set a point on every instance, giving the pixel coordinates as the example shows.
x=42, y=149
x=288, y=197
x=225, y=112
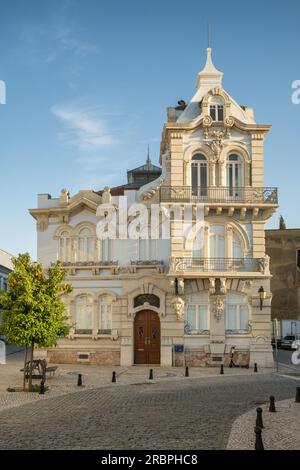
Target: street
x=188, y=414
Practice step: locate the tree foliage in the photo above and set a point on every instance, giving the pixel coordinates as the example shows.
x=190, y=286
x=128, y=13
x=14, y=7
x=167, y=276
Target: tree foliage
x=33, y=310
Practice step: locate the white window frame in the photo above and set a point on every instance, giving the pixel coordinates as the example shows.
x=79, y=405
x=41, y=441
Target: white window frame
x=84, y=311
x=238, y=306
x=85, y=254
x=105, y=306
x=197, y=306
x=64, y=247
x=151, y=246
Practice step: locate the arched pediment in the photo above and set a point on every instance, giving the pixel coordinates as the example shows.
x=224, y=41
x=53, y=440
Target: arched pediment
x=217, y=91
x=198, y=147
x=144, y=289
x=235, y=148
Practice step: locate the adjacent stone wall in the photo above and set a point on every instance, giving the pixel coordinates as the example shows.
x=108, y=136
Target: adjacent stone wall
x=59, y=356
x=281, y=246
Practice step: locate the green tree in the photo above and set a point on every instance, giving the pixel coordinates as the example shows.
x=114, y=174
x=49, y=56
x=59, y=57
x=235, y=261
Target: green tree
x=33, y=311
x=282, y=225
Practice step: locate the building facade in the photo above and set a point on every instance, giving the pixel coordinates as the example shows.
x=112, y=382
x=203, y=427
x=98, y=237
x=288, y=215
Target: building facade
x=189, y=298
x=6, y=268
x=283, y=247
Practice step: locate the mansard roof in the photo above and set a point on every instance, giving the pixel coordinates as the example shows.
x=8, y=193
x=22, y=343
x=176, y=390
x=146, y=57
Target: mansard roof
x=211, y=79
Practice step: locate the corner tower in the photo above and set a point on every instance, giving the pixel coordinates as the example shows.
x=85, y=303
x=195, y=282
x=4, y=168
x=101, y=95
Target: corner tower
x=212, y=152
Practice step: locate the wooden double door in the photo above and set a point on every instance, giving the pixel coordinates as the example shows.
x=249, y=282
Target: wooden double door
x=146, y=338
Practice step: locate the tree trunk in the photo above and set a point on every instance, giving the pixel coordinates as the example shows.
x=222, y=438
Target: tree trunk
x=24, y=376
x=31, y=365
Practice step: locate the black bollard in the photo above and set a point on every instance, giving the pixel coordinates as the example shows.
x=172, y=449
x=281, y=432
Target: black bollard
x=42, y=388
x=79, y=381
x=187, y=371
x=151, y=374
x=297, y=395
x=255, y=367
x=272, y=408
x=258, y=440
x=114, y=377
x=259, y=420
x=222, y=369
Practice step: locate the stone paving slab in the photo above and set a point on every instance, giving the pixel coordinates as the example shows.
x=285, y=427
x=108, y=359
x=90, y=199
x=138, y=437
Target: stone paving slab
x=95, y=376
x=195, y=413
x=281, y=429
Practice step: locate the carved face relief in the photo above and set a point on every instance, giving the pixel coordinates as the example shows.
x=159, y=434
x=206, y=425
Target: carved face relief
x=218, y=308
x=178, y=306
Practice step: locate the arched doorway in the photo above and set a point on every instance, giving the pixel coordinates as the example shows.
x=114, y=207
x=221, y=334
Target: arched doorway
x=146, y=338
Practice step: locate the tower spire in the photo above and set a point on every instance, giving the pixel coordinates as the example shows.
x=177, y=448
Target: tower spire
x=148, y=161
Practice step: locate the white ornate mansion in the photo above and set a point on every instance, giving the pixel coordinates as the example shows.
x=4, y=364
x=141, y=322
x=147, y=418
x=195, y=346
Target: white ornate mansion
x=165, y=301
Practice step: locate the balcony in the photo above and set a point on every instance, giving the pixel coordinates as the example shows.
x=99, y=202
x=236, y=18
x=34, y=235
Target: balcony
x=220, y=265
x=247, y=195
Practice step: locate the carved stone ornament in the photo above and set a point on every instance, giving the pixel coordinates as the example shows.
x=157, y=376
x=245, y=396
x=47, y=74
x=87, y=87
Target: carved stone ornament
x=218, y=308
x=264, y=264
x=207, y=122
x=106, y=196
x=42, y=223
x=178, y=306
x=152, y=191
x=229, y=121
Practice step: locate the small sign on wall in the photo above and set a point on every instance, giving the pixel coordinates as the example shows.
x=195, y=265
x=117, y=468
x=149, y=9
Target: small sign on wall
x=178, y=348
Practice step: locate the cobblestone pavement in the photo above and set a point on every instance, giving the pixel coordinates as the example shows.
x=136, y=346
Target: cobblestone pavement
x=192, y=413
x=281, y=429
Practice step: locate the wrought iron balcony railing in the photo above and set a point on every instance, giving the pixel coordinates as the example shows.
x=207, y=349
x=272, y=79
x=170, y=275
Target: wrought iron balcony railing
x=216, y=264
x=213, y=194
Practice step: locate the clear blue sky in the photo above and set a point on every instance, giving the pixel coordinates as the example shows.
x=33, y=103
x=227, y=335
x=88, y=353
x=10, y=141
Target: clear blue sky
x=88, y=83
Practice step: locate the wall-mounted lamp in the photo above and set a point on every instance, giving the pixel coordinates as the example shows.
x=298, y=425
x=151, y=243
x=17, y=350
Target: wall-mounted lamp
x=262, y=295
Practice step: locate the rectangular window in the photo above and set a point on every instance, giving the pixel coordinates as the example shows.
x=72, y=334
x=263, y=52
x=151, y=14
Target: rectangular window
x=212, y=110
x=194, y=179
x=220, y=113
x=196, y=318
x=104, y=315
x=105, y=247
x=237, y=317
x=147, y=249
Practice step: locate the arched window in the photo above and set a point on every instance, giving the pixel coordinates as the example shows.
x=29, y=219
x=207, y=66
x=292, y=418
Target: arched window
x=198, y=244
x=217, y=241
x=105, y=314
x=197, y=314
x=64, y=247
x=237, y=312
x=216, y=109
x=199, y=175
x=85, y=245
x=84, y=314
x=237, y=250
x=151, y=299
x=234, y=175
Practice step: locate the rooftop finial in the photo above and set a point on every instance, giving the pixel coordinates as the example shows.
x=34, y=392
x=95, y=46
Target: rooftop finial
x=148, y=157
x=209, y=76
x=208, y=35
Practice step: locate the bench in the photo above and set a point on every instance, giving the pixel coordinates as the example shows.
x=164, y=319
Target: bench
x=39, y=370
